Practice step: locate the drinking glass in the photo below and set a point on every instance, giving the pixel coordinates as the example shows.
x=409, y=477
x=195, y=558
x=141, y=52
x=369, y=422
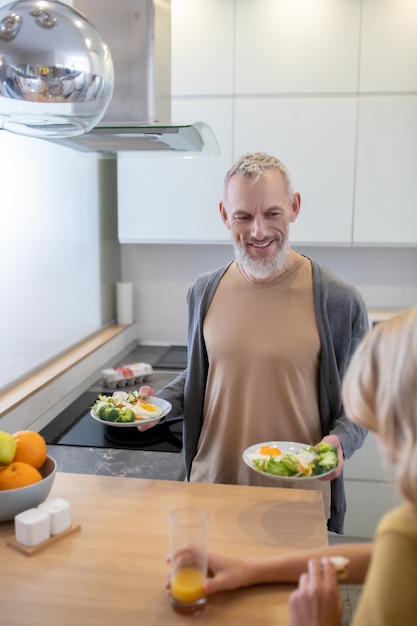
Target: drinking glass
x=188, y=533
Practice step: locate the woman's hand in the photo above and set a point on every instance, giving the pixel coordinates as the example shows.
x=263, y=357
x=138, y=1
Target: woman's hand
x=225, y=573
x=317, y=600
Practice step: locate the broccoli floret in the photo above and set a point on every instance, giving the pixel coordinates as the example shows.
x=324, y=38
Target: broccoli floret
x=329, y=460
x=326, y=460
x=325, y=447
x=104, y=410
x=108, y=412
x=126, y=415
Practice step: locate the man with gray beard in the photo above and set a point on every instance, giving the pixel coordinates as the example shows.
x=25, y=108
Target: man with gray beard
x=269, y=338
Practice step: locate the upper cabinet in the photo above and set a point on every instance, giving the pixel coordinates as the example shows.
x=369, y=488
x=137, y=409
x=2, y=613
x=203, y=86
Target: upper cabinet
x=202, y=47
x=386, y=163
x=388, y=62
x=173, y=199
x=315, y=138
x=296, y=47
x=386, y=189
x=329, y=87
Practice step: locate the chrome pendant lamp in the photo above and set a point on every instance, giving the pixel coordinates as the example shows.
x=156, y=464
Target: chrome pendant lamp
x=56, y=72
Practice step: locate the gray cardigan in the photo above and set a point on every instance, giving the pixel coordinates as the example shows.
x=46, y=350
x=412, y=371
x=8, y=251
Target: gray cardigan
x=342, y=322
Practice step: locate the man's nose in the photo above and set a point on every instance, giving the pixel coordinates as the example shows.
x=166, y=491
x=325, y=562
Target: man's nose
x=259, y=228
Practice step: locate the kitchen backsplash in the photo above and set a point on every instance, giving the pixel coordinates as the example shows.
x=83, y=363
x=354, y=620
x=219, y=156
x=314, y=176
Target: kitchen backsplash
x=162, y=274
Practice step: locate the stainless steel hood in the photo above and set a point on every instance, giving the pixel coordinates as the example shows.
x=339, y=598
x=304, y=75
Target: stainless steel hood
x=109, y=140
x=138, y=118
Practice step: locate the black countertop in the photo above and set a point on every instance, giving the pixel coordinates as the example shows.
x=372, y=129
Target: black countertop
x=120, y=462
x=112, y=462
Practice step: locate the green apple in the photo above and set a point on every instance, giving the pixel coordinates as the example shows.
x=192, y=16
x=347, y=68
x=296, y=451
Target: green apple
x=7, y=448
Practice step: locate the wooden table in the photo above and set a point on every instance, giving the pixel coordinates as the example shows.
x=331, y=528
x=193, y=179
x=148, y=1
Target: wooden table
x=113, y=571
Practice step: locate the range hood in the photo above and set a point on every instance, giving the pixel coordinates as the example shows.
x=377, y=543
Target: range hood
x=94, y=76
x=138, y=118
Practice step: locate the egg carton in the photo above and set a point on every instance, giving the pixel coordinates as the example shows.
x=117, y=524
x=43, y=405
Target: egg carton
x=124, y=375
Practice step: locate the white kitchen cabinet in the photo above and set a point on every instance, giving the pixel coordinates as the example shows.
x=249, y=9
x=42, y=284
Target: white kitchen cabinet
x=202, y=44
x=306, y=134
x=296, y=47
x=386, y=190
x=370, y=489
x=173, y=202
x=367, y=464
x=175, y=199
x=367, y=502
x=328, y=86
x=388, y=46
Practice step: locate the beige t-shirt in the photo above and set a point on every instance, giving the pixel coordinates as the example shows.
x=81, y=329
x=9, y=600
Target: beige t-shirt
x=264, y=352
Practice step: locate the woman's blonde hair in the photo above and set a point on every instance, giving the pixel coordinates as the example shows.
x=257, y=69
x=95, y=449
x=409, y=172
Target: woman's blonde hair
x=380, y=393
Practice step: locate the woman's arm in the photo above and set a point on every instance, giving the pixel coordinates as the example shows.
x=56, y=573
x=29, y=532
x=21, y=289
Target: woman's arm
x=230, y=573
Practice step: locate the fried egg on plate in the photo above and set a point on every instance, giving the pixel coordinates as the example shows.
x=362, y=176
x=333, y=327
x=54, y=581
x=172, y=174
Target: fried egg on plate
x=145, y=410
x=264, y=452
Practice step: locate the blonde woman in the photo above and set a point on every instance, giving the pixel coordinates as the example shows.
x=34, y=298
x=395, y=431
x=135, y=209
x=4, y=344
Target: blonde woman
x=379, y=393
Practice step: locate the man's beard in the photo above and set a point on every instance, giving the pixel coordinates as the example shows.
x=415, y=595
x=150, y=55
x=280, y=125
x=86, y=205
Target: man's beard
x=261, y=269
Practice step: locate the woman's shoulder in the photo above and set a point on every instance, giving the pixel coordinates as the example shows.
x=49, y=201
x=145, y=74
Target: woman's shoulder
x=400, y=520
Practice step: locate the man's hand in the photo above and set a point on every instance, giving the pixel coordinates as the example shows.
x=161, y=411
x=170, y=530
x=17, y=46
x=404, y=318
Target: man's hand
x=146, y=391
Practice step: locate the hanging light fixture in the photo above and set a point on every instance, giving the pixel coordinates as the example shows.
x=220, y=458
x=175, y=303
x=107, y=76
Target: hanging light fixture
x=56, y=72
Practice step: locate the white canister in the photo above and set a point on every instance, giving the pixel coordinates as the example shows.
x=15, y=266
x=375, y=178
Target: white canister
x=124, y=303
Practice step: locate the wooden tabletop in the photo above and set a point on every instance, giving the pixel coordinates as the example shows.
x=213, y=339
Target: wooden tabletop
x=113, y=571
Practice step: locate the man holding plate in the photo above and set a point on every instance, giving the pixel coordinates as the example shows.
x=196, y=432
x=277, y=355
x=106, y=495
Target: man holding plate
x=269, y=338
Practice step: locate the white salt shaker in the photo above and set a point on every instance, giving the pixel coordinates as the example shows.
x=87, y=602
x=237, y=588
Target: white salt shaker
x=59, y=512
x=32, y=527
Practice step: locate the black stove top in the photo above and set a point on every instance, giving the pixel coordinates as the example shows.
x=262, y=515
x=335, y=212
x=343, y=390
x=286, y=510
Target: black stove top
x=174, y=357
x=75, y=426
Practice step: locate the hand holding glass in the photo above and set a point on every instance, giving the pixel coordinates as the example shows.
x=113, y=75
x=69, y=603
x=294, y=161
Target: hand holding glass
x=188, y=528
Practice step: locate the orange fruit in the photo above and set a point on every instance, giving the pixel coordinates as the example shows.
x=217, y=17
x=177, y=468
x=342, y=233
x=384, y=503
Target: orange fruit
x=30, y=448
x=18, y=474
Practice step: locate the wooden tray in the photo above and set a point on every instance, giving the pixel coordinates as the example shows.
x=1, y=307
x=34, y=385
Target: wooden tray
x=29, y=550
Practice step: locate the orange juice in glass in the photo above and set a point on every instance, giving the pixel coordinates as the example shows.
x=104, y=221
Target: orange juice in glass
x=188, y=550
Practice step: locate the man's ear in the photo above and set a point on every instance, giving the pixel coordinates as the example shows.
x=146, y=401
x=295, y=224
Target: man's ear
x=295, y=206
x=223, y=214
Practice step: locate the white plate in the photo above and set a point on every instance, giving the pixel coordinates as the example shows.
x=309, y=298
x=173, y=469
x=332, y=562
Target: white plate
x=162, y=404
x=286, y=447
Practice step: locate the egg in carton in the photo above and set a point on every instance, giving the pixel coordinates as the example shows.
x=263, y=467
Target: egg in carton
x=116, y=377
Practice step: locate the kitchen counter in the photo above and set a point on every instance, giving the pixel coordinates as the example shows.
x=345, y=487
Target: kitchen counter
x=112, y=571
x=112, y=462
x=109, y=461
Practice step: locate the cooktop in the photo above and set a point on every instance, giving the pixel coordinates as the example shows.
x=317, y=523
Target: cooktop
x=75, y=426
x=174, y=357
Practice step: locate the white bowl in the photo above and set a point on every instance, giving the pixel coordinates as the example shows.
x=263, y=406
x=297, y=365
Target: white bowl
x=14, y=501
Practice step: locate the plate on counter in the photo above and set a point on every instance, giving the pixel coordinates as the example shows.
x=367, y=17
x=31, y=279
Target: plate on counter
x=284, y=451
x=163, y=405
